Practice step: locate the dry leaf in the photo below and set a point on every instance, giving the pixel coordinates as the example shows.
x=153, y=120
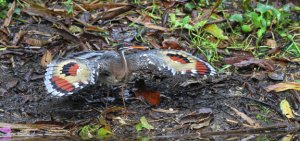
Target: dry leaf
x=46, y=59
x=297, y=60
x=271, y=43
x=171, y=43
x=284, y=86
x=9, y=14
x=201, y=124
x=288, y=137
x=35, y=42
x=18, y=37
x=151, y=96
x=286, y=109
x=245, y=117
x=169, y=111
x=265, y=64
x=144, y=22
x=142, y=92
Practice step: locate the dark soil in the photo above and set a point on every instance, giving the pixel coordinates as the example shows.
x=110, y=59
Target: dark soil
x=24, y=100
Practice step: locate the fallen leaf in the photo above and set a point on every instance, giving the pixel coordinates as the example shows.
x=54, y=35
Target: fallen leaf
x=168, y=4
x=109, y=110
x=9, y=14
x=171, y=43
x=265, y=64
x=288, y=137
x=18, y=37
x=284, y=86
x=235, y=56
x=147, y=24
x=169, y=111
x=197, y=117
x=153, y=42
x=143, y=124
x=99, y=5
x=286, y=109
x=271, y=43
x=279, y=76
x=215, y=31
x=201, y=124
x=11, y=83
x=103, y=133
x=245, y=117
x=151, y=96
x=297, y=60
x=35, y=42
x=46, y=58
x=121, y=120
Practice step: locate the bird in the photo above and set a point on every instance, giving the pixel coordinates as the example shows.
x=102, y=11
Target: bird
x=68, y=75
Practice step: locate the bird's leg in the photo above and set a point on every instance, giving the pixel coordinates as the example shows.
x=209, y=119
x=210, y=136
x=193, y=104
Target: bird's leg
x=123, y=96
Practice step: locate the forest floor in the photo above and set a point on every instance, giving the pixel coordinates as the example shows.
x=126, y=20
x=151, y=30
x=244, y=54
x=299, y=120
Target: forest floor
x=255, y=94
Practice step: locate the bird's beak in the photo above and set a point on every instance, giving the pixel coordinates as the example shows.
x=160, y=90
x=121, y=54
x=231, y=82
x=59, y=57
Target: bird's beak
x=138, y=47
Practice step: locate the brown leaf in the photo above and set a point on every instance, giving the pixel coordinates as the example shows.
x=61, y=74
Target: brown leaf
x=9, y=14
x=97, y=6
x=265, y=64
x=168, y=4
x=271, y=43
x=169, y=111
x=139, y=20
x=207, y=12
x=153, y=42
x=274, y=47
x=284, y=86
x=235, y=56
x=46, y=58
x=245, y=117
x=198, y=118
x=35, y=42
x=37, y=10
x=171, y=43
x=18, y=37
x=3, y=37
x=151, y=96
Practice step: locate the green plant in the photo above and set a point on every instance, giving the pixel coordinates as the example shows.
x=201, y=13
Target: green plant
x=143, y=124
x=94, y=131
x=69, y=6
x=4, y=7
x=262, y=18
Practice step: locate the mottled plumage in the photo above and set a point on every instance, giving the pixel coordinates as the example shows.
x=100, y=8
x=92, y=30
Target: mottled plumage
x=68, y=75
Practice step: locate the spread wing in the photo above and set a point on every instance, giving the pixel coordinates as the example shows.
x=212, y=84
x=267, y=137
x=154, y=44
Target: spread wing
x=174, y=61
x=67, y=75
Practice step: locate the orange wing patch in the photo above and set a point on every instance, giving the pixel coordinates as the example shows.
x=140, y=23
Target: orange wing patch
x=184, y=63
x=62, y=84
x=67, y=77
x=201, y=67
x=179, y=58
